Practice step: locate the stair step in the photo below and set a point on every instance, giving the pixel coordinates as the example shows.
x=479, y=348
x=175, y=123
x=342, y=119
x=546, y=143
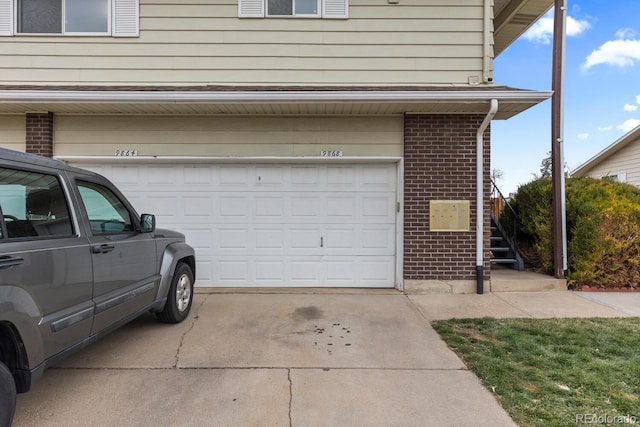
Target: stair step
x=500, y=249
x=504, y=260
x=497, y=238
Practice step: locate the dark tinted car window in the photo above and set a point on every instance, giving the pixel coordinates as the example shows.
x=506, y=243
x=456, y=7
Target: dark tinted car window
x=33, y=205
x=106, y=213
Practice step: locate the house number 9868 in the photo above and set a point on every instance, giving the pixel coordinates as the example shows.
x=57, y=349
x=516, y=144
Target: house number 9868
x=331, y=153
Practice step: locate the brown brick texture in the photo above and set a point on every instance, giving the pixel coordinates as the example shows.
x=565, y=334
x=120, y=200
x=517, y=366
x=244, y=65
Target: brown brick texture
x=440, y=164
x=39, y=127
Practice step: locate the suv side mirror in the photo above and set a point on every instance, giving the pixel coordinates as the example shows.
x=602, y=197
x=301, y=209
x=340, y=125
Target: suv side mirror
x=147, y=223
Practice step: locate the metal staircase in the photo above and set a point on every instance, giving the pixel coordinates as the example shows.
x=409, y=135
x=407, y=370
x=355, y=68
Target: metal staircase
x=503, y=248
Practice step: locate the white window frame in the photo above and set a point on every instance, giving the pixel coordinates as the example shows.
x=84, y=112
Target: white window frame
x=616, y=177
x=327, y=9
x=293, y=11
x=123, y=20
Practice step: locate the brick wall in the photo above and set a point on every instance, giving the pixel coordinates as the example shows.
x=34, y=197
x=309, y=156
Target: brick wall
x=39, y=132
x=440, y=164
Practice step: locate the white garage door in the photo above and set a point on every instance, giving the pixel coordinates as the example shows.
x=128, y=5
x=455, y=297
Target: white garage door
x=274, y=225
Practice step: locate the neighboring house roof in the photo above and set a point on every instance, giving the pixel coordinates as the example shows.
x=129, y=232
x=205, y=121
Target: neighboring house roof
x=513, y=18
x=208, y=99
x=625, y=140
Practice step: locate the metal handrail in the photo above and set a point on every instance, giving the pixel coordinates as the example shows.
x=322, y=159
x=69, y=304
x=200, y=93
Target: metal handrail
x=494, y=189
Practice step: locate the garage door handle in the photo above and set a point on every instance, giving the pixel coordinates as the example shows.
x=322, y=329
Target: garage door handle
x=322, y=242
x=10, y=261
x=102, y=249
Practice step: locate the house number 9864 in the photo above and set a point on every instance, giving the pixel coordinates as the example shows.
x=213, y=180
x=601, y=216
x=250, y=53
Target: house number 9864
x=126, y=153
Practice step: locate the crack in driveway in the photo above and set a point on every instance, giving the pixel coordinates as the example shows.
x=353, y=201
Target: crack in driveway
x=196, y=316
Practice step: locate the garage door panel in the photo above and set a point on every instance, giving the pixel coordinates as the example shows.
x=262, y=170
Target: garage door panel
x=198, y=176
x=233, y=272
x=204, y=270
x=342, y=177
x=305, y=207
x=378, y=207
x=268, y=272
x=377, y=273
x=274, y=225
x=341, y=206
x=305, y=177
x=376, y=239
x=379, y=177
x=200, y=238
x=234, y=206
x=305, y=272
x=269, y=207
x=165, y=207
x=305, y=239
x=195, y=205
x=232, y=177
x=233, y=239
x=269, y=240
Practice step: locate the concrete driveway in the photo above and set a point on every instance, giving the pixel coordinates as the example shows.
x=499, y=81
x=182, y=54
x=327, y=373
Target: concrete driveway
x=328, y=359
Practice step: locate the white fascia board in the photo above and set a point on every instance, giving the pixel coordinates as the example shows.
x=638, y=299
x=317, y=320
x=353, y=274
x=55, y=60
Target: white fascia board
x=269, y=97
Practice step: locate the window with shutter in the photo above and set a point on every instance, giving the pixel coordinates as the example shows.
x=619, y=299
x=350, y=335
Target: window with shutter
x=328, y=9
x=118, y=18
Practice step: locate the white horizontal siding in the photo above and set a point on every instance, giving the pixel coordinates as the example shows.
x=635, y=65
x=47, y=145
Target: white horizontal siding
x=627, y=160
x=203, y=41
x=228, y=136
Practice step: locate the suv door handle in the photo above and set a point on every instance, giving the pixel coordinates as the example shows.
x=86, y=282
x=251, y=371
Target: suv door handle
x=10, y=261
x=102, y=249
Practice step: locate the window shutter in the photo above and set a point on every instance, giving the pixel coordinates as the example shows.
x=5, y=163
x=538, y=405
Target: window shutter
x=251, y=8
x=335, y=9
x=126, y=18
x=6, y=17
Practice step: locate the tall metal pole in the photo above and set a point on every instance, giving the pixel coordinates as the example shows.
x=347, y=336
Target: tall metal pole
x=557, y=160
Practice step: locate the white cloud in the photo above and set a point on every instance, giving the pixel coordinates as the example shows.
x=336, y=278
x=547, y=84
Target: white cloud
x=637, y=99
x=605, y=128
x=583, y=136
x=628, y=125
x=623, y=52
x=575, y=27
x=630, y=107
x=542, y=31
x=626, y=33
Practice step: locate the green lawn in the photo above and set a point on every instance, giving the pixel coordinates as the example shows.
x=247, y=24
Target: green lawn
x=554, y=372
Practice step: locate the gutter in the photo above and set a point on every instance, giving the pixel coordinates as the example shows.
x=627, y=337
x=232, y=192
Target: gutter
x=269, y=97
x=480, y=196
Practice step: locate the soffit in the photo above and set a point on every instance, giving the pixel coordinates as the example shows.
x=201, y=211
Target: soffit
x=270, y=101
x=513, y=18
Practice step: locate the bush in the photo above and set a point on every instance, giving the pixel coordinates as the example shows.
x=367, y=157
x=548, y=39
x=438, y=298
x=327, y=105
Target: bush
x=603, y=230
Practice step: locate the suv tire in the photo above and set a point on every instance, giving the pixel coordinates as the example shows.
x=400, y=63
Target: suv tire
x=180, y=296
x=7, y=396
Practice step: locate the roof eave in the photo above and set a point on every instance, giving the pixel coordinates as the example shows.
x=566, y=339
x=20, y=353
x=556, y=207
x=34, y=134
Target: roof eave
x=408, y=101
x=616, y=146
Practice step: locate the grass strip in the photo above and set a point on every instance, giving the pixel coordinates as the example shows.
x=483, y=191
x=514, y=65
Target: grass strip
x=554, y=372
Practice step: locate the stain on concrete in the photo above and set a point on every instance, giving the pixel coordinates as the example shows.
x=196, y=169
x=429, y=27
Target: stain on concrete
x=308, y=313
x=332, y=337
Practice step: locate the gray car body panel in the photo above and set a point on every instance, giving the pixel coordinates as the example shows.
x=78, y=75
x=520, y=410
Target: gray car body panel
x=60, y=293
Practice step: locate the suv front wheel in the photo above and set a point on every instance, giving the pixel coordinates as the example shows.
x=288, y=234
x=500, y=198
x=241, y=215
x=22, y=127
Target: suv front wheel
x=7, y=396
x=180, y=296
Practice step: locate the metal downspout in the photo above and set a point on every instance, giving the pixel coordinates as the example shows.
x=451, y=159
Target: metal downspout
x=480, y=196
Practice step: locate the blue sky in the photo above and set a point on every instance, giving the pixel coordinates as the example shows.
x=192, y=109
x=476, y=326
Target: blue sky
x=602, y=88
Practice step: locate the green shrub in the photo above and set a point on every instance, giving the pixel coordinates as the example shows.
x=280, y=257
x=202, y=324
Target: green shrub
x=603, y=230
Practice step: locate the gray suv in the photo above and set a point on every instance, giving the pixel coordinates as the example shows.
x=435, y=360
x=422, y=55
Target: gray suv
x=76, y=262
